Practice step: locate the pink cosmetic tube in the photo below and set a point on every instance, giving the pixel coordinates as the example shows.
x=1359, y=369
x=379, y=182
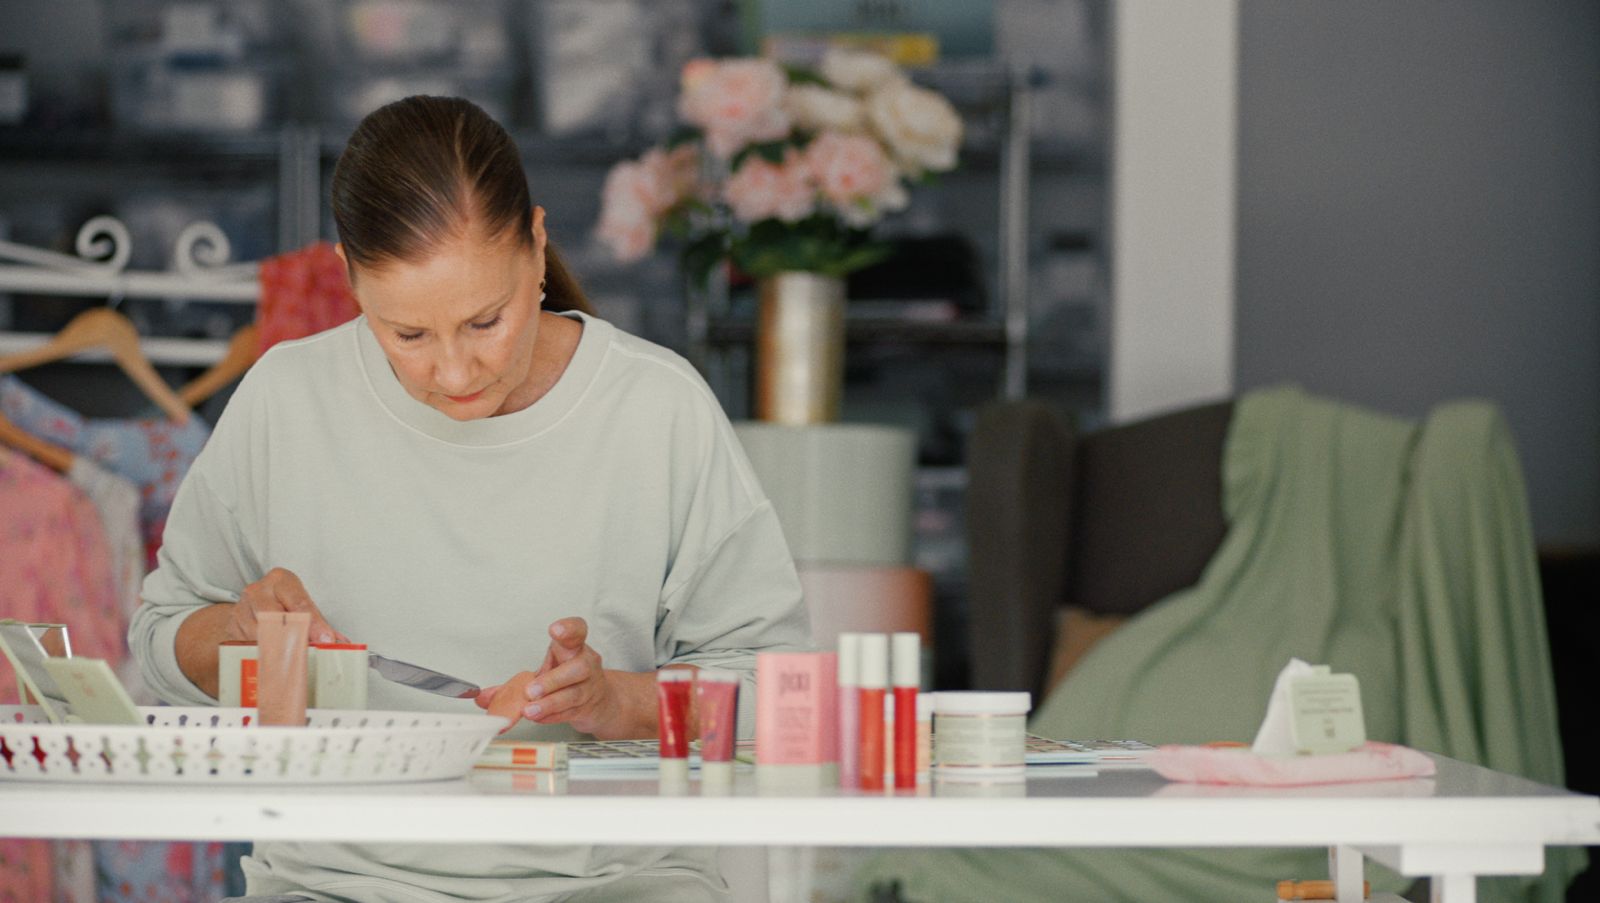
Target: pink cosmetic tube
x=672, y=702
x=281, y=689
x=716, y=697
x=849, y=710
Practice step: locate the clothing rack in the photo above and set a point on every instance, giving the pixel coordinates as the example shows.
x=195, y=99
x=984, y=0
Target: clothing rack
x=200, y=272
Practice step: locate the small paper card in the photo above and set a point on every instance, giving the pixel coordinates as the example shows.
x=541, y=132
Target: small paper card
x=28, y=647
x=1326, y=712
x=93, y=692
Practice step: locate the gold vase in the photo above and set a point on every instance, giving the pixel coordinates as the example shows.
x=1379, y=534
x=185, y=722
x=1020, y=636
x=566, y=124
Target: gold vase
x=799, y=348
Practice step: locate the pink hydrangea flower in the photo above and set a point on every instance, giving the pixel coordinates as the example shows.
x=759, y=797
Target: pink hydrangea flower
x=849, y=168
x=627, y=224
x=736, y=102
x=669, y=177
x=638, y=192
x=695, y=72
x=763, y=190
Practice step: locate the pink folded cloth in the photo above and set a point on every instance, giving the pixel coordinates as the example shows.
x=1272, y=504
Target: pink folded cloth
x=1234, y=765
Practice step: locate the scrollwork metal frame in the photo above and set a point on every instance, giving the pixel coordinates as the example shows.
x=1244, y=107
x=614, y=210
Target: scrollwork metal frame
x=104, y=246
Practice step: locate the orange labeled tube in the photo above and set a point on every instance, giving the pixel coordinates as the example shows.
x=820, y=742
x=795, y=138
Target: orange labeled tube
x=874, y=685
x=907, y=678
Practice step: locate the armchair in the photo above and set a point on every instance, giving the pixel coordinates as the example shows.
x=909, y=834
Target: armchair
x=1105, y=522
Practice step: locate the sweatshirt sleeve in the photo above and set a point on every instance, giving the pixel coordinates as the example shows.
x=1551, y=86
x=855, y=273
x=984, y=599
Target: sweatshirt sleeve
x=732, y=591
x=204, y=558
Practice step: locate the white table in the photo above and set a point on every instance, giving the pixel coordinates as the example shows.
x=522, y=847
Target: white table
x=1464, y=822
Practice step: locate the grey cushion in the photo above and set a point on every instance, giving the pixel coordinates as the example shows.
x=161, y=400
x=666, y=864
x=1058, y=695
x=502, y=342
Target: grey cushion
x=1111, y=521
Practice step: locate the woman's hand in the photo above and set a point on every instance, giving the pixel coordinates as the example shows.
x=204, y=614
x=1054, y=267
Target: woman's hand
x=573, y=687
x=279, y=590
x=205, y=628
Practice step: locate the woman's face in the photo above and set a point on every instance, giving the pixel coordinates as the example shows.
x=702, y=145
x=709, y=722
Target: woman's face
x=459, y=328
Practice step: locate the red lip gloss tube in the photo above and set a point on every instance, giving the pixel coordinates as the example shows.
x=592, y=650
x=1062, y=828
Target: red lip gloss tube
x=673, y=686
x=907, y=680
x=874, y=684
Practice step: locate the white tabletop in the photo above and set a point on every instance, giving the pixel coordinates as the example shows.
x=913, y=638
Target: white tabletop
x=1462, y=806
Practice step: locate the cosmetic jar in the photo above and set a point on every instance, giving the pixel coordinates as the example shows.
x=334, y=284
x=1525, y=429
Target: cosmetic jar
x=337, y=676
x=989, y=787
x=980, y=735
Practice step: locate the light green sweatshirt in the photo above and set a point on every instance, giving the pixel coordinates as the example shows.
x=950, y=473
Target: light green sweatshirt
x=621, y=497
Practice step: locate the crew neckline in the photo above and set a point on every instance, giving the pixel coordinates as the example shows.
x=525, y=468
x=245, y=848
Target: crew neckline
x=503, y=429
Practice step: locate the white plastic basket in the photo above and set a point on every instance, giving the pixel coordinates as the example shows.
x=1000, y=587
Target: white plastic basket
x=183, y=745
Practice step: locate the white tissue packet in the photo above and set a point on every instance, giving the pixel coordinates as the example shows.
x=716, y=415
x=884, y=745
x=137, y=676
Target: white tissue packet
x=1311, y=711
x=1276, y=734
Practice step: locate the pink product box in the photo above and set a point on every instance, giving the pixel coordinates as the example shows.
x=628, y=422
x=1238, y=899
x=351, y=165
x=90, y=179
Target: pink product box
x=797, y=721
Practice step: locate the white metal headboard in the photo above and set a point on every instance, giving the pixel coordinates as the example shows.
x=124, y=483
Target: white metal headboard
x=199, y=271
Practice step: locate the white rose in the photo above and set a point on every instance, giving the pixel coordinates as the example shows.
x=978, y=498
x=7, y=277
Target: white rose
x=854, y=70
x=921, y=128
x=867, y=211
x=815, y=109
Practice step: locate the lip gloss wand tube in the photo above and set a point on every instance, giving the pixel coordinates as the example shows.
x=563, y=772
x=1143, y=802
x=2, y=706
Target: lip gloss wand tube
x=849, y=710
x=716, y=697
x=673, y=686
x=907, y=680
x=874, y=684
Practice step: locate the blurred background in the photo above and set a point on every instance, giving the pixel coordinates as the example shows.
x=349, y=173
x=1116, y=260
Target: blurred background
x=164, y=112
x=1158, y=204
x=1391, y=205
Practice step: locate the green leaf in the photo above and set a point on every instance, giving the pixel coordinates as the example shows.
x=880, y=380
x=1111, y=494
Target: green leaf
x=860, y=258
x=683, y=134
x=771, y=151
x=701, y=255
x=799, y=75
x=821, y=243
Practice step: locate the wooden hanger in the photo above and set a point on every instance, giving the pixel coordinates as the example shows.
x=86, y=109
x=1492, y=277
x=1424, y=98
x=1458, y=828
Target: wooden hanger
x=53, y=456
x=103, y=327
x=242, y=352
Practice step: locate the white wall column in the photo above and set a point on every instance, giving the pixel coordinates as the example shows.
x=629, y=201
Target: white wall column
x=1174, y=138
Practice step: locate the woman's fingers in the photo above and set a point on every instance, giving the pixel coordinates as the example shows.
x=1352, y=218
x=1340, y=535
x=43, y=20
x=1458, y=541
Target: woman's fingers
x=575, y=670
x=485, y=697
x=281, y=590
x=567, y=638
x=290, y=595
x=569, y=692
x=562, y=705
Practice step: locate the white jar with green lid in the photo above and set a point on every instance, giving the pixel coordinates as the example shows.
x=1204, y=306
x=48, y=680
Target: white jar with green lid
x=980, y=735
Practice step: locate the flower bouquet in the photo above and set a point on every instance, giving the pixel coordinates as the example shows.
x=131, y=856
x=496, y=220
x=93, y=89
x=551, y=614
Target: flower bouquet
x=781, y=169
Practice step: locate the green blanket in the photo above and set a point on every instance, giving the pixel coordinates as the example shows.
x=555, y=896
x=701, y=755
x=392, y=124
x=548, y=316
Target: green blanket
x=1399, y=553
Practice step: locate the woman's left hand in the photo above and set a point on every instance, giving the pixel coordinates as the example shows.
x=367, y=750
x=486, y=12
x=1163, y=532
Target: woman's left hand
x=573, y=687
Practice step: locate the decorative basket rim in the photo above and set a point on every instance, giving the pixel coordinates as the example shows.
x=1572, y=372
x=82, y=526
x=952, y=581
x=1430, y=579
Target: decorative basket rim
x=431, y=746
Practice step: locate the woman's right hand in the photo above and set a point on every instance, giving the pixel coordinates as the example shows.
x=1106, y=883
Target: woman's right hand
x=279, y=590
x=207, y=626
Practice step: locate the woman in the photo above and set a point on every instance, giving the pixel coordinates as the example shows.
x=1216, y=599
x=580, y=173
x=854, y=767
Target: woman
x=478, y=476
